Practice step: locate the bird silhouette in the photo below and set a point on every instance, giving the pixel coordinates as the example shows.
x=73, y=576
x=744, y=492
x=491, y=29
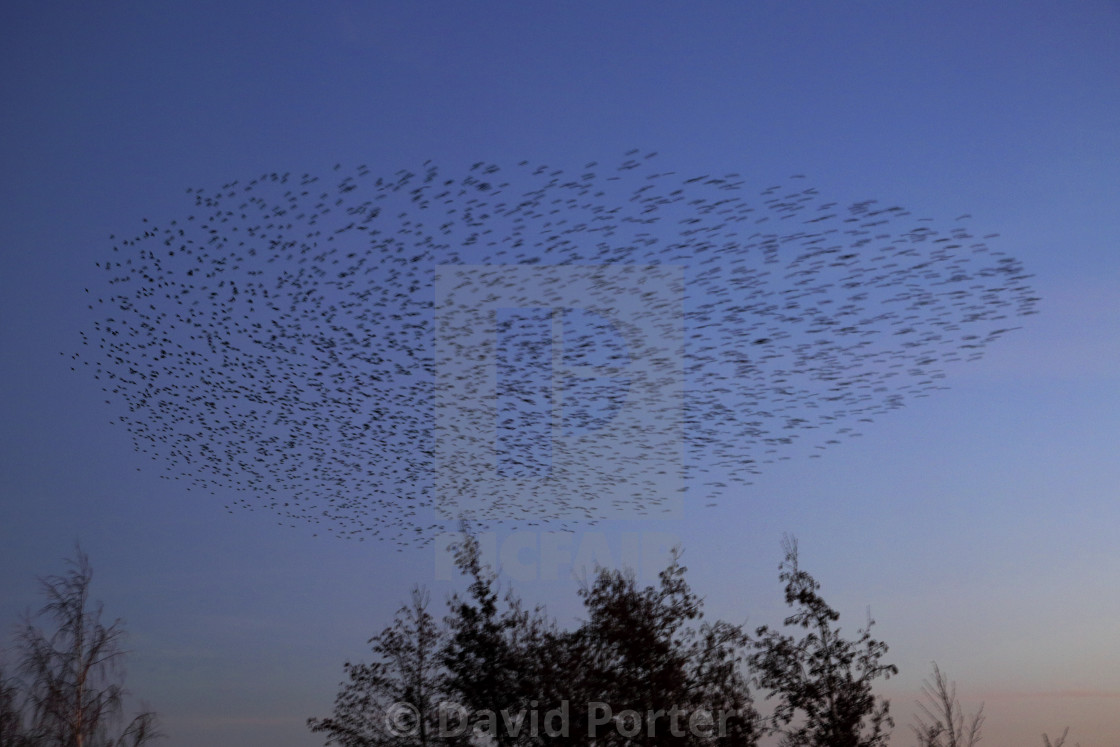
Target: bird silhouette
x=378, y=355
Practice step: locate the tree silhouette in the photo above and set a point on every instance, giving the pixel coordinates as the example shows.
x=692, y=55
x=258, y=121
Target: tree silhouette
x=393, y=700
x=642, y=670
x=486, y=657
x=821, y=682
x=947, y=725
x=70, y=694
x=642, y=657
x=1059, y=742
x=12, y=730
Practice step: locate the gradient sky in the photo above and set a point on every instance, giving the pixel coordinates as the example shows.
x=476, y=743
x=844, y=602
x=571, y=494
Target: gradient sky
x=981, y=524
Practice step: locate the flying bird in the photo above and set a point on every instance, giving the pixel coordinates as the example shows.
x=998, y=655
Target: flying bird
x=381, y=355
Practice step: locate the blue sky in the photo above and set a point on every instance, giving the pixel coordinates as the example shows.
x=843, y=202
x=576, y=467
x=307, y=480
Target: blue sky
x=980, y=524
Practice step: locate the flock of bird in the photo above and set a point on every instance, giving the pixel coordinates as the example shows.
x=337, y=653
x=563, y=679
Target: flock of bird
x=380, y=355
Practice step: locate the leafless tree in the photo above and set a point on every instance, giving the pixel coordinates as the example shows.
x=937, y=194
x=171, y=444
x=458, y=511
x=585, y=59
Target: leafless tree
x=947, y=725
x=71, y=693
x=1059, y=742
x=12, y=730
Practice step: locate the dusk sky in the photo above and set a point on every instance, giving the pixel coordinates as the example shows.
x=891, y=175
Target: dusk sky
x=980, y=524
